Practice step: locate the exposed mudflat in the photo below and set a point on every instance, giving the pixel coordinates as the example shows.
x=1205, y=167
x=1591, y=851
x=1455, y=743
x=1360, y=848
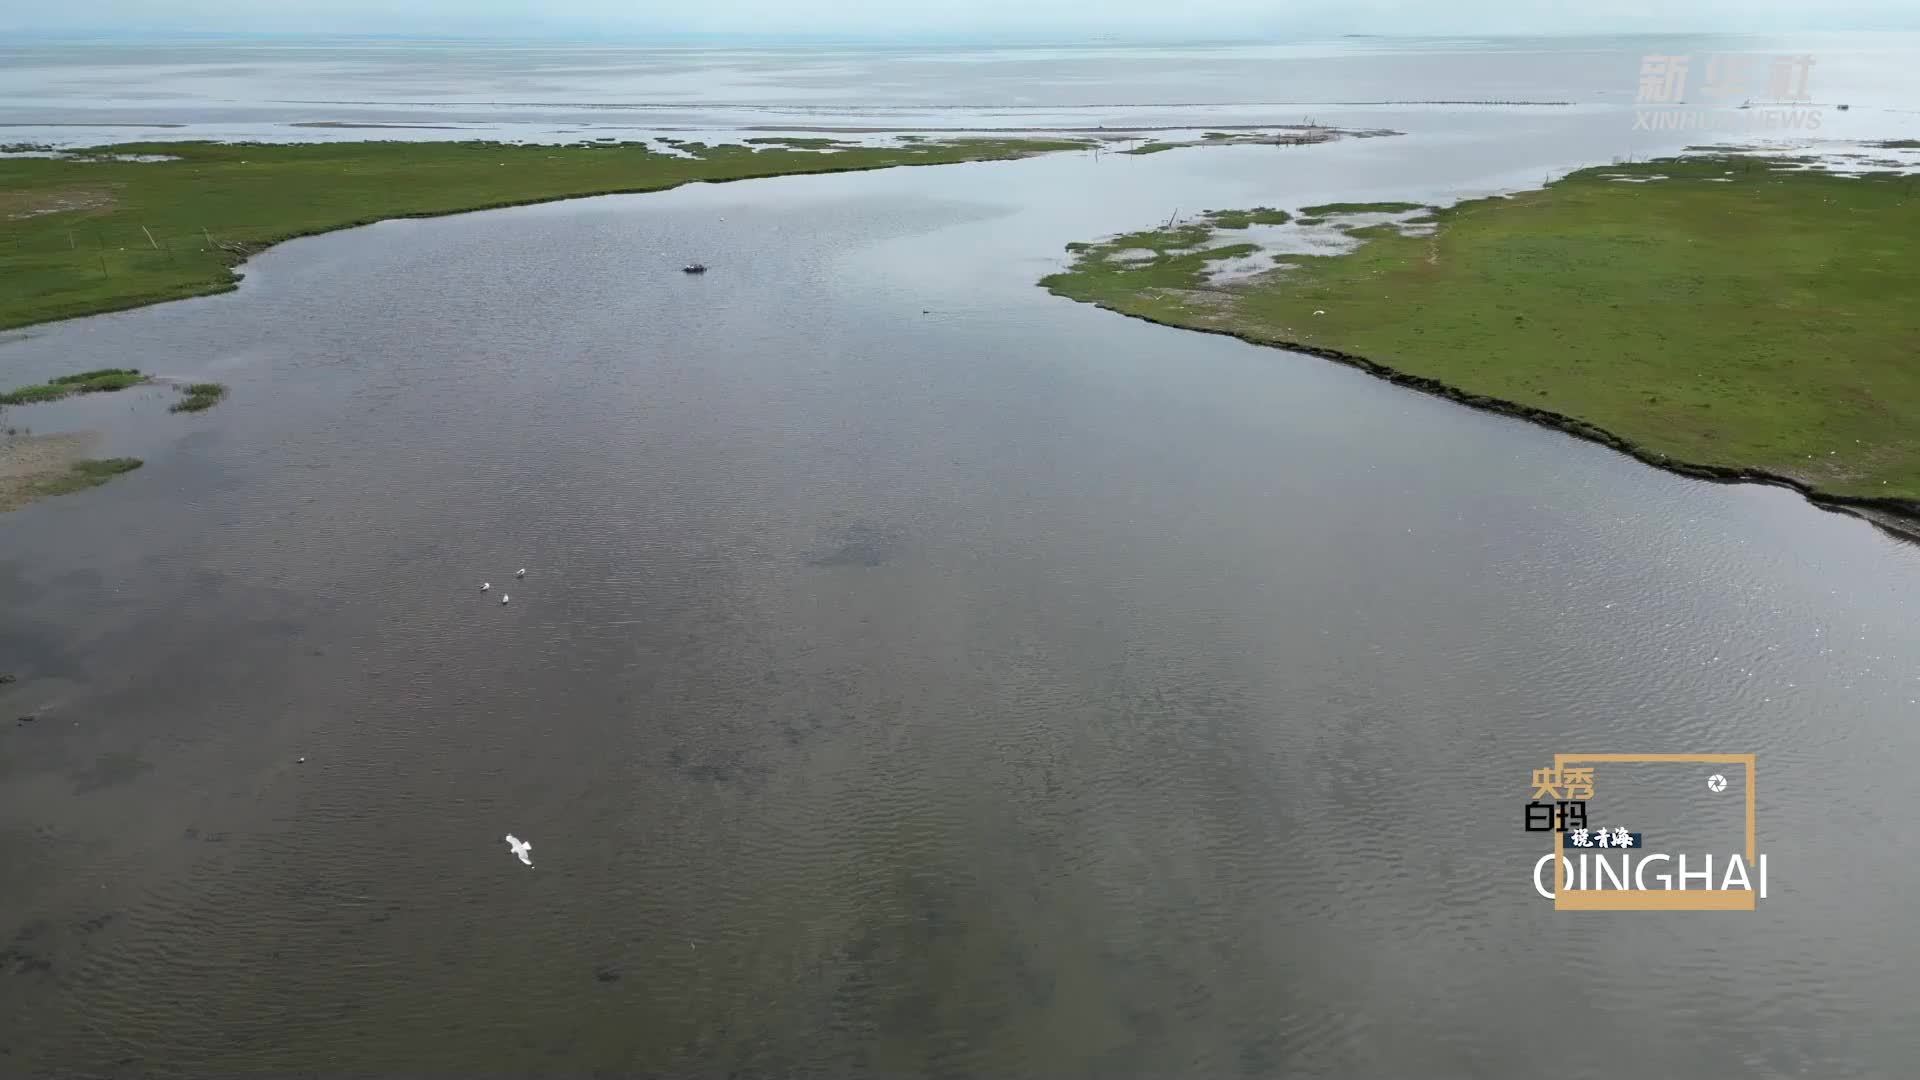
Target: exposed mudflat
x=25, y=459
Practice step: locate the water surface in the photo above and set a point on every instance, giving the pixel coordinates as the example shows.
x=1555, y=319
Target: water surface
x=915, y=673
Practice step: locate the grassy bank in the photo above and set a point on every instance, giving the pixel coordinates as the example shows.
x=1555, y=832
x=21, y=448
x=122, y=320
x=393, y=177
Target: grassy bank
x=1728, y=319
x=99, y=233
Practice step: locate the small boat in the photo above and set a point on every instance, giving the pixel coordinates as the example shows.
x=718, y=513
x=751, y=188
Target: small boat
x=694, y=268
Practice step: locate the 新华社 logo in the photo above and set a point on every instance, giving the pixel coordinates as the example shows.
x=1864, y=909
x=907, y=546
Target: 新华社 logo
x=1734, y=92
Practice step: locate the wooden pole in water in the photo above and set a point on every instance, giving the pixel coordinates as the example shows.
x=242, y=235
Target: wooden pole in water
x=208, y=235
x=150, y=239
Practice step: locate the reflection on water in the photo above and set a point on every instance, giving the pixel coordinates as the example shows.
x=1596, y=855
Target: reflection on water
x=915, y=672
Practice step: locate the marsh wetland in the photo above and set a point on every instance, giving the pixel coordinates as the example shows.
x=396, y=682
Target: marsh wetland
x=919, y=672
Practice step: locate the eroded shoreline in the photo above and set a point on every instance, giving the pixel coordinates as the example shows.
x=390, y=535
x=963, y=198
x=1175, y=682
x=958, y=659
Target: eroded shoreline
x=1899, y=517
x=1653, y=317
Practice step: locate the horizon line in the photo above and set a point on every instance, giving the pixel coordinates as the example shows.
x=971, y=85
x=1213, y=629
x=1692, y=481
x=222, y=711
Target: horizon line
x=576, y=35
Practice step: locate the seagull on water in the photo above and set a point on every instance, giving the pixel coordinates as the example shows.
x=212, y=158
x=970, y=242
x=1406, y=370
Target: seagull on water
x=504, y=598
x=521, y=848
x=485, y=585
x=521, y=573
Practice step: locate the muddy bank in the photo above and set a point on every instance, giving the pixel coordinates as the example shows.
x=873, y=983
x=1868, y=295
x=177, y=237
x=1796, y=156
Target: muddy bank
x=29, y=462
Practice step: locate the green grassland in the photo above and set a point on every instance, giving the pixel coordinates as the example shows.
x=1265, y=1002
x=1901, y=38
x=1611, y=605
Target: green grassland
x=92, y=234
x=1729, y=320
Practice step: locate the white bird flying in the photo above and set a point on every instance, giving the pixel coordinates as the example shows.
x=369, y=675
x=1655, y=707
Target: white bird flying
x=521, y=848
x=485, y=585
x=522, y=573
x=504, y=598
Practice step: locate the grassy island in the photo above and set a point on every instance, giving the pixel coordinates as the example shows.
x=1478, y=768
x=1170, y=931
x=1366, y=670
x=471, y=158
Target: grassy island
x=120, y=226
x=199, y=397
x=85, y=382
x=1281, y=135
x=1241, y=219
x=1329, y=209
x=1726, y=317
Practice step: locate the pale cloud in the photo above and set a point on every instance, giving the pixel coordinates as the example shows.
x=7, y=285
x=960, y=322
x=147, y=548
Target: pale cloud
x=880, y=18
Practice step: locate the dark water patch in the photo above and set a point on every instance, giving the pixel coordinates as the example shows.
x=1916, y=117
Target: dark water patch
x=861, y=544
x=717, y=766
x=109, y=770
x=35, y=949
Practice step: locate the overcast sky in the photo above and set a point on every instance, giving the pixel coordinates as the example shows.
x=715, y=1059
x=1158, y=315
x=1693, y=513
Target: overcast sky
x=972, y=18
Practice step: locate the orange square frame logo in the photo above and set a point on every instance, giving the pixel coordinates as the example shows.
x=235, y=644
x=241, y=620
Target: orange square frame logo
x=1654, y=899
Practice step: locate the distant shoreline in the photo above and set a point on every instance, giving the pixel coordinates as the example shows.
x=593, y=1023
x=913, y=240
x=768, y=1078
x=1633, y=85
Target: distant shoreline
x=97, y=230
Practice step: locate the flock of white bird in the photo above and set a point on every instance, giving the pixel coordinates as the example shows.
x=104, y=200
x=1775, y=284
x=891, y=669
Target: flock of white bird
x=520, y=848
x=485, y=585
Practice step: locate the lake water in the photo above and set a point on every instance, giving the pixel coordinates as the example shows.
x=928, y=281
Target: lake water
x=915, y=672
x=352, y=89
